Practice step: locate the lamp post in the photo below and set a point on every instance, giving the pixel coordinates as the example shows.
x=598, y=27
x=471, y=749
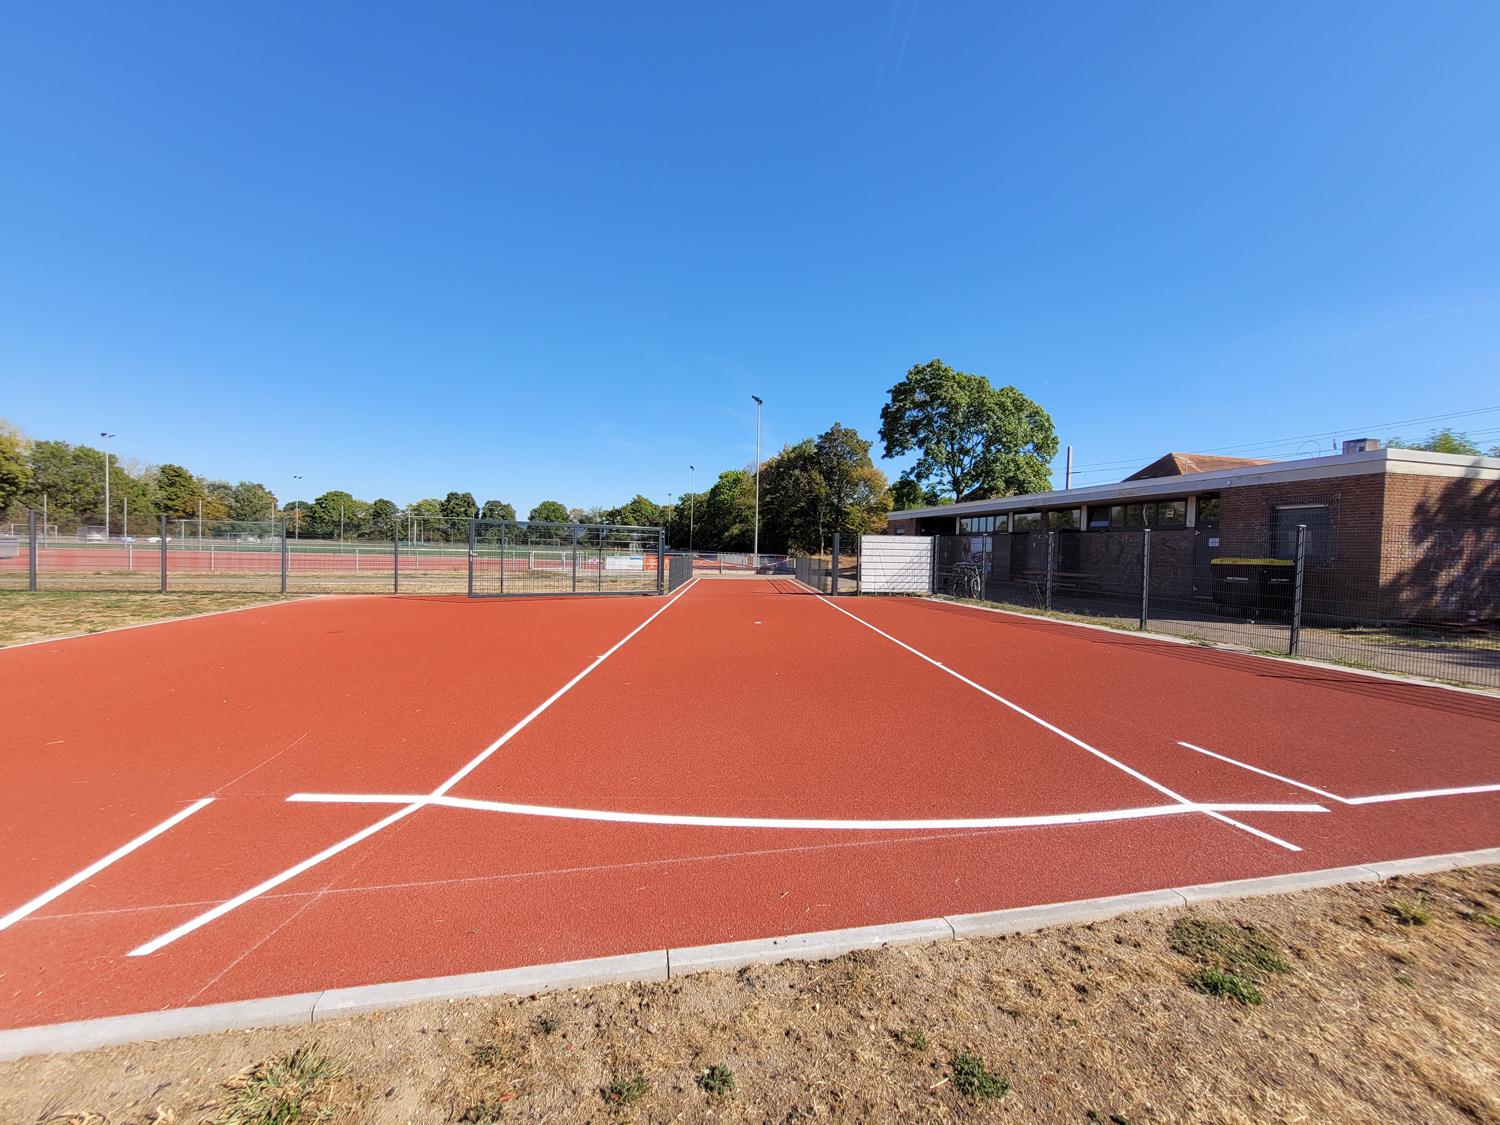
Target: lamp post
x=756, y=549
x=297, y=503
x=106, y=438
x=692, y=502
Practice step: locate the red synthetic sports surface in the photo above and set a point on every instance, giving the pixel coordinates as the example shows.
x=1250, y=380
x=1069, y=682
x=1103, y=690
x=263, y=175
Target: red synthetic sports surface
x=749, y=699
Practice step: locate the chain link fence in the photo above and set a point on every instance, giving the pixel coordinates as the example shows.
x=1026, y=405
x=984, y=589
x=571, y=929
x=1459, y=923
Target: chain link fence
x=424, y=555
x=1418, y=599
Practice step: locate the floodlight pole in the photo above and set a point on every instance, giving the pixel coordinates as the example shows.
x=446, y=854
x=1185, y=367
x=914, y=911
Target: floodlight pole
x=106, y=438
x=297, y=503
x=755, y=551
x=692, y=502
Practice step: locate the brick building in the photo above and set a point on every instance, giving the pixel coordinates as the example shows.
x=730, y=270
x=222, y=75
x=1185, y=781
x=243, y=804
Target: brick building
x=1392, y=534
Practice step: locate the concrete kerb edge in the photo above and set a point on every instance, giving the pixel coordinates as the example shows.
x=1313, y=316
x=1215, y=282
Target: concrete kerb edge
x=1167, y=638
x=671, y=964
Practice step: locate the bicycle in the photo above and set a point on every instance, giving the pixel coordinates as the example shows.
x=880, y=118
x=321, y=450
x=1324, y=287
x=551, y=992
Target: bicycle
x=968, y=581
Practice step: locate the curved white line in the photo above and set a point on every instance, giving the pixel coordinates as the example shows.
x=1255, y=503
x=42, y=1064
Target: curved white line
x=790, y=823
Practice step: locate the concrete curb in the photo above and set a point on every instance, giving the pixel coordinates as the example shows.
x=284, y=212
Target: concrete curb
x=665, y=964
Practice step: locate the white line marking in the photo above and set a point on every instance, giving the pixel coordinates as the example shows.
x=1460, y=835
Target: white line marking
x=327, y=853
x=1381, y=798
x=93, y=869
x=1178, y=797
x=768, y=822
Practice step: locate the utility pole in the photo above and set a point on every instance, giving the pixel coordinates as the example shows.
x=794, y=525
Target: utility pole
x=756, y=550
x=106, y=438
x=1068, y=472
x=692, y=502
x=297, y=504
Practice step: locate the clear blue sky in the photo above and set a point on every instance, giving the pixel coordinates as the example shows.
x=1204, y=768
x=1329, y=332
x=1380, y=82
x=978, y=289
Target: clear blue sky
x=549, y=251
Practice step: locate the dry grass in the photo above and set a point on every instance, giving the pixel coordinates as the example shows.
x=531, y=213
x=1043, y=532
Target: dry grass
x=25, y=616
x=1377, y=1020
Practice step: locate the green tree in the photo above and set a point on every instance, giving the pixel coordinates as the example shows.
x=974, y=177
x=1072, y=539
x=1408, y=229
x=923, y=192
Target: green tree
x=459, y=505
x=1442, y=441
x=549, y=511
x=976, y=440
x=15, y=474
x=727, y=515
x=639, y=512
x=856, y=490
x=907, y=493
x=382, y=518
x=250, y=501
x=498, y=510
x=70, y=481
x=333, y=512
x=177, y=492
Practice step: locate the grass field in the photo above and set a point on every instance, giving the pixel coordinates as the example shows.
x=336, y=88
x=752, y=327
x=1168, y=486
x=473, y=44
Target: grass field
x=1377, y=1002
x=26, y=616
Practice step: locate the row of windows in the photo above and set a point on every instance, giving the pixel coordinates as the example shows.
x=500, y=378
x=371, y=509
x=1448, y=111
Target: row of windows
x=1101, y=517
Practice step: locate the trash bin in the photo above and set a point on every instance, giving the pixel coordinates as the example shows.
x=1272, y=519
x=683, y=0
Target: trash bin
x=1254, y=586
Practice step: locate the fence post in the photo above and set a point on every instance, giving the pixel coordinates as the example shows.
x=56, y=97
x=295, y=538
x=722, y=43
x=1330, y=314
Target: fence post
x=1145, y=577
x=285, y=556
x=1296, y=637
x=163, y=553
x=31, y=562
x=661, y=562
x=575, y=558
x=471, y=558
x=833, y=584
x=395, y=555
x=1051, y=563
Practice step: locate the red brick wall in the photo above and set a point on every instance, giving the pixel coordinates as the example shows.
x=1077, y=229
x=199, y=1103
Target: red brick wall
x=1441, y=549
x=1348, y=582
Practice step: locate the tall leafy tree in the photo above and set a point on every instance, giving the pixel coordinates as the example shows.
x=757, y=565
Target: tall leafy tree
x=250, y=501
x=638, y=512
x=332, y=511
x=177, y=492
x=15, y=474
x=382, y=518
x=459, y=505
x=70, y=481
x=978, y=441
x=498, y=510
x=549, y=511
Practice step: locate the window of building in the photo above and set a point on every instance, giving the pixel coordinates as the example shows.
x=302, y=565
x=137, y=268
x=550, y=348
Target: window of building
x=979, y=525
x=1135, y=515
x=1208, y=510
x=1284, y=523
x=1099, y=517
x=1170, y=513
x=1026, y=521
x=1063, y=519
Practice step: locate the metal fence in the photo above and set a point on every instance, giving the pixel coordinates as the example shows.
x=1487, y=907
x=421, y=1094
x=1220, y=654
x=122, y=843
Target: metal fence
x=730, y=562
x=836, y=574
x=1416, y=599
x=427, y=556
x=512, y=558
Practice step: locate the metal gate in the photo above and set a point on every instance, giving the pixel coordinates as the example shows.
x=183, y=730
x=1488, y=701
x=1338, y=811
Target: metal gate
x=513, y=558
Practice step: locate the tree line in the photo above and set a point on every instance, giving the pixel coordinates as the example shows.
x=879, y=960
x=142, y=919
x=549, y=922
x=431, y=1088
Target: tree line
x=973, y=441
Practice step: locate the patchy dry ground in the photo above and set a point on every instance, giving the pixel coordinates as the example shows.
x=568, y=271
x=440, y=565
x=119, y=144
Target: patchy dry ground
x=26, y=616
x=1379, y=1003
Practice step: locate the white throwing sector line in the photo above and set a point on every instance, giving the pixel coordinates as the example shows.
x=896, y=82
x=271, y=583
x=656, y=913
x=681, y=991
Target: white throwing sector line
x=1178, y=797
x=89, y=872
x=292, y=872
x=1378, y=799
x=768, y=822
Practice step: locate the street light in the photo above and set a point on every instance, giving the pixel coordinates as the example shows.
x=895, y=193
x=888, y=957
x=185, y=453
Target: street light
x=758, y=405
x=692, y=502
x=106, y=438
x=297, y=504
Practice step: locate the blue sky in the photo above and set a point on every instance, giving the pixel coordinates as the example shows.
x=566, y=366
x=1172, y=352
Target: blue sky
x=549, y=251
